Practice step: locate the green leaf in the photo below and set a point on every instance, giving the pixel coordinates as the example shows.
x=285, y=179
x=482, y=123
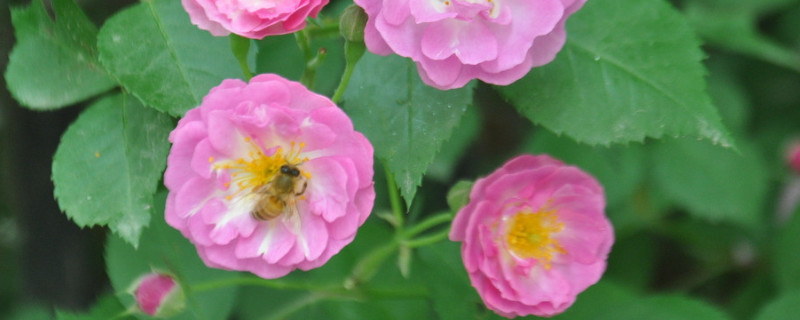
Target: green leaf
x=619, y=169
x=164, y=249
x=54, y=63
x=785, y=307
x=280, y=55
x=444, y=273
x=633, y=262
x=406, y=120
x=733, y=25
x=108, y=164
x=601, y=298
x=108, y=307
x=630, y=69
x=728, y=94
x=713, y=182
x=786, y=260
x=160, y=57
x=447, y=160
x=28, y=312
x=666, y=307
x=755, y=292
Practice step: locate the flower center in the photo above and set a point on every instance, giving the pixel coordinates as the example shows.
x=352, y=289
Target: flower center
x=257, y=169
x=530, y=235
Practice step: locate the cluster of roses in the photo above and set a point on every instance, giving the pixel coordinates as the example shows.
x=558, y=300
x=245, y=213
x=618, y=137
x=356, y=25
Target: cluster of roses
x=268, y=177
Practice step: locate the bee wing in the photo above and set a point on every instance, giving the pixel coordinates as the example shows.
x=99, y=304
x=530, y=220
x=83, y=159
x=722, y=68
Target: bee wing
x=291, y=207
x=292, y=216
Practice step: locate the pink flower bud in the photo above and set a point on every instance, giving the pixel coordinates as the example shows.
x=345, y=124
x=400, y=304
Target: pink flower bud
x=534, y=235
x=158, y=295
x=793, y=156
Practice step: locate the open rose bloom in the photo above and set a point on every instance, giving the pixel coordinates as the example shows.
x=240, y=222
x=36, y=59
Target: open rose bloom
x=252, y=19
x=268, y=177
x=455, y=41
x=534, y=236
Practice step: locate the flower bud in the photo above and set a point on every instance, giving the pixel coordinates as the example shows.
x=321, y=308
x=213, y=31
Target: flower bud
x=793, y=156
x=352, y=23
x=158, y=295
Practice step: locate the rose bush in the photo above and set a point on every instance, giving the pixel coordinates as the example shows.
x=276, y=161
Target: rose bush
x=455, y=41
x=252, y=19
x=235, y=155
x=534, y=236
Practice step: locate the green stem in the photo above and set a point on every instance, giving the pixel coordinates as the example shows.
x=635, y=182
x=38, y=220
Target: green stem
x=368, y=266
x=402, y=293
x=325, y=31
x=253, y=281
x=427, y=240
x=310, y=73
x=286, y=310
x=352, y=53
x=394, y=197
x=304, y=43
x=348, y=72
x=240, y=47
x=427, y=224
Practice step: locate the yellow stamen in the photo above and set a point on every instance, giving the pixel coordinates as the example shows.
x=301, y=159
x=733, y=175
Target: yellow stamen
x=530, y=235
x=250, y=173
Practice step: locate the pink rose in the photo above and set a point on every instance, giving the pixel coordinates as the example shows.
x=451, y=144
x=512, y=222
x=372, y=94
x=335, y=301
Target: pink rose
x=534, y=236
x=268, y=177
x=252, y=19
x=455, y=41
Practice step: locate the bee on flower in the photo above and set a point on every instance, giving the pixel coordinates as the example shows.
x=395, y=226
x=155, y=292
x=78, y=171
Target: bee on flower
x=268, y=177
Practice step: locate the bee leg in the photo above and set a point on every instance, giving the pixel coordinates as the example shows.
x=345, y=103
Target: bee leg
x=305, y=185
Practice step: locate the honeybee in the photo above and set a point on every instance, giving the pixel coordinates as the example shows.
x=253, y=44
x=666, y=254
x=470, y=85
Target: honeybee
x=279, y=196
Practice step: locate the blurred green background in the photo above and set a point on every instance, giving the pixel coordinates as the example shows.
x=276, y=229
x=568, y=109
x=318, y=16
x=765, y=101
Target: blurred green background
x=690, y=218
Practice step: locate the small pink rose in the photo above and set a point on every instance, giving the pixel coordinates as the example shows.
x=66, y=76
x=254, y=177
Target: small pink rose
x=268, y=177
x=252, y=19
x=455, y=41
x=534, y=235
